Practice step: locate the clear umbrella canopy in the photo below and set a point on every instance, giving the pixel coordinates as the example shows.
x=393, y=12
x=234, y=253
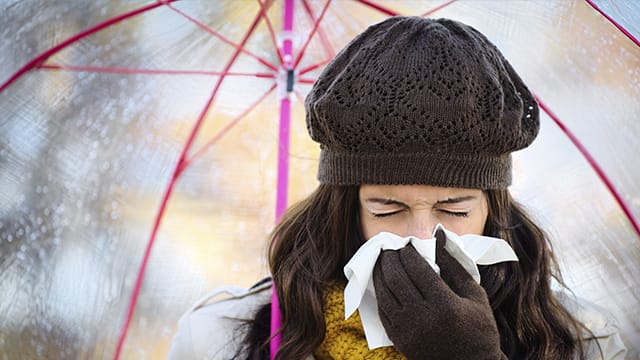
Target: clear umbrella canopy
x=145, y=135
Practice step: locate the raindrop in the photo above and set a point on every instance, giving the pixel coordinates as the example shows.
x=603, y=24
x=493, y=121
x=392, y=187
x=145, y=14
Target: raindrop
x=20, y=232
x=9, y=238
x=45, y=189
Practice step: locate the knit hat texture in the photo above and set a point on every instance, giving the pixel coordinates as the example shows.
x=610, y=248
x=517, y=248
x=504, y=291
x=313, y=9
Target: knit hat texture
x=420, y=101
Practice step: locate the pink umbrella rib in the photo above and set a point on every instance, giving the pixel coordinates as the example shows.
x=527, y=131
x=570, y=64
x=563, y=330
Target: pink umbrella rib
x=227, y=128
x=326, y=45
x=378, y=7
x=299, y=96
x=52, y=51
x=594, y=164
x=208, y=29
x=314, y=66
x=176, y=174
x=121, y=70
x=272, y=33
x=316, y=24
x=328, y=48
x=307, y=81
x=615, y=23
x=439, y=7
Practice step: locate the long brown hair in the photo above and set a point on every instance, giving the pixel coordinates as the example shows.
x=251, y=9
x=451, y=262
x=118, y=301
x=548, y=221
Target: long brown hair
x=532, y=322
x=319, y=235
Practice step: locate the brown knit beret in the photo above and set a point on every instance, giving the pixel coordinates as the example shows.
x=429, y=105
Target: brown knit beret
x=420, y=101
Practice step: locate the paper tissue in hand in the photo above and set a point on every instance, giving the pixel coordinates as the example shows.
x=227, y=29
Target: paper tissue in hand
x=470, y=250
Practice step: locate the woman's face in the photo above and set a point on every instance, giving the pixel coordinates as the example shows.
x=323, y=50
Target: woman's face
x=415, y=210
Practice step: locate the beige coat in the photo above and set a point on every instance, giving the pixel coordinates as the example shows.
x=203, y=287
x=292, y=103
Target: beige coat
x=207, y=331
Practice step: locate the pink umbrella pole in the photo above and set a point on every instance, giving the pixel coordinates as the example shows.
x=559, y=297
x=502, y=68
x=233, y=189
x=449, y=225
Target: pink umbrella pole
x=285, y=112
x=283, y=158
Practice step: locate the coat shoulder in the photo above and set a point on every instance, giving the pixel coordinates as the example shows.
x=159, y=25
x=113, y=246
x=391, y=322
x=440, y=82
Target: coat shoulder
x=603, y=334
x=213, y=327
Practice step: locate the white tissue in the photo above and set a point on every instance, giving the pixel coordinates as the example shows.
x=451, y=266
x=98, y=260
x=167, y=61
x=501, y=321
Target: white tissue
x=470, y=250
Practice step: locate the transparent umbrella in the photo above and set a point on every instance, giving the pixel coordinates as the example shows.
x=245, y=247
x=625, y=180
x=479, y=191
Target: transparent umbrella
x=147, y=148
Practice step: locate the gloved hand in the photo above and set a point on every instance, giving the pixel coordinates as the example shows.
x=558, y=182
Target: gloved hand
x=434, y=317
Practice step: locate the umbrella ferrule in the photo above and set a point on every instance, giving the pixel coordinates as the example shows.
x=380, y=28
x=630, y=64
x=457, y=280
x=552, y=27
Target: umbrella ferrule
x=290, y=80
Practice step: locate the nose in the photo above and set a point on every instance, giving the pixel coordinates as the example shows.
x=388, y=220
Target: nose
x=421, y=225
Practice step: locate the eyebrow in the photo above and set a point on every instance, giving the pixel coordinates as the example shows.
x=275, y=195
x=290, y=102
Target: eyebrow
x=385, y=201
x=455, y=200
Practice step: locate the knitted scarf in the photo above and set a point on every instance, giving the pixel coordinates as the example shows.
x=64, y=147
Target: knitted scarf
x=344, y=339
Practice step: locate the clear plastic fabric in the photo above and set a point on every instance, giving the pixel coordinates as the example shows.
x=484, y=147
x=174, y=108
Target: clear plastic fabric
x=91, y=135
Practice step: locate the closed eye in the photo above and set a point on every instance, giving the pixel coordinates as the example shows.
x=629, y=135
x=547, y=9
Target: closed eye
x=455, y=213
x=381, y=215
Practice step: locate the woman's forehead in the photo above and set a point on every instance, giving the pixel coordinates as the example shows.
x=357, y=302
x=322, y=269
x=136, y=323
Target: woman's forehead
x=414, y=192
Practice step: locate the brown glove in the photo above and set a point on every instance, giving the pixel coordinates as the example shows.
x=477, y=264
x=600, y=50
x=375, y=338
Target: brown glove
x=434, y=317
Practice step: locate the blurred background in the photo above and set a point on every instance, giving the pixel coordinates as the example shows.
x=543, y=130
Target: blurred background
x=92, y=128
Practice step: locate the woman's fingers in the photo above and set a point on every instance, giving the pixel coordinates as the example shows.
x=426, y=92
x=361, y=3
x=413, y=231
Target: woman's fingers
x=391, y=282
x=458, y=279
x=422, y=276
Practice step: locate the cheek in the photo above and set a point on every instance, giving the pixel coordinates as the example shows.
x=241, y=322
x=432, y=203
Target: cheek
x=368, y=225
x=470, y=225
x=478, y=220
x=372, y=226
x=473, y=224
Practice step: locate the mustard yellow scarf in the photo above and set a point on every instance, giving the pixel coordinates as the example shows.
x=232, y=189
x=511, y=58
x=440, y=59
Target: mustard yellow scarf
x=344, y=339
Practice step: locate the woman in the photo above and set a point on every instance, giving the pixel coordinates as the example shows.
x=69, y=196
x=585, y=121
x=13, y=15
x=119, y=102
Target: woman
x=416, y=119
